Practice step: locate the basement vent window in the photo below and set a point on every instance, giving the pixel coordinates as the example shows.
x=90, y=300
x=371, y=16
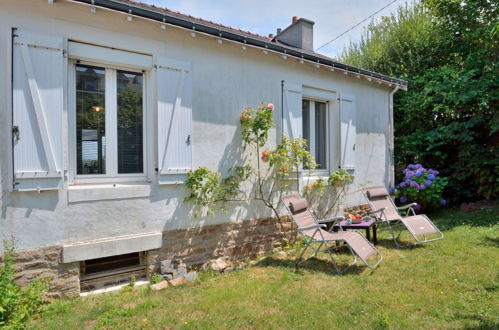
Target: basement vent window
x=109, y=271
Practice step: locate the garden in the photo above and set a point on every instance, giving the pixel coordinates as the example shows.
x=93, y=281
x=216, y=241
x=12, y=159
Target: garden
x=446, y=137
x=451, y=283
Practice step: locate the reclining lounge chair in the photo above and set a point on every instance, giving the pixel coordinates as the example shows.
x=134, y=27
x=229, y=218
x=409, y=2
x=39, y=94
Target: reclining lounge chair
x=419, y=226
x=313, y=232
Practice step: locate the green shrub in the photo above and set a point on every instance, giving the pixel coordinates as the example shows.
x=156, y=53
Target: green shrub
x=448, y=119
x=155, y=278
x=17, y=305
x=421, y=186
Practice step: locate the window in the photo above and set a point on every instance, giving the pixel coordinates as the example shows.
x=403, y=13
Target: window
x=109, y=122
x=102, y=272
x=315, y=131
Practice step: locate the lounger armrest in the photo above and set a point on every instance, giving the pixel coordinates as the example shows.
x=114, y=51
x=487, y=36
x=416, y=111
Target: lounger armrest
x=406, y=206
x=377, y=211
x=331, y=220
x=312, y=227
x=409, y=208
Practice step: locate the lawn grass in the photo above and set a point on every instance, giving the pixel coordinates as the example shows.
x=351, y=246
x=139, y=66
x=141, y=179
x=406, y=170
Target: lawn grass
x=450, y=283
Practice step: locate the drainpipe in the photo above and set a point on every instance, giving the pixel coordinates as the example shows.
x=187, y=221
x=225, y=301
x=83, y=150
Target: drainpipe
x=391, y=174
x=282, y=110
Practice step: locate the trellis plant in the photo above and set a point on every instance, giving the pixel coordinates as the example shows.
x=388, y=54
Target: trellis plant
x=267, y=173
x=325, y=196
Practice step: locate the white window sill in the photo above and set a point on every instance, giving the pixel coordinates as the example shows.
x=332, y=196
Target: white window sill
x=108, y=191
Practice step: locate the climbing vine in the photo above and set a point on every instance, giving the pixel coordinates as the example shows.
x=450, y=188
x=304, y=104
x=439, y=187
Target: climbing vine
x=266, y=174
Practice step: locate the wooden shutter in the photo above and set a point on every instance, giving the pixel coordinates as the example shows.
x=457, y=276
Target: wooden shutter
x=38, y=69
x=174, y=93
x=292, y=110
x=348, y=132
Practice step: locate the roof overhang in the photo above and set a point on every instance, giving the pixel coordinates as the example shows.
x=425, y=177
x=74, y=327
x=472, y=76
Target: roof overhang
x=163, y=16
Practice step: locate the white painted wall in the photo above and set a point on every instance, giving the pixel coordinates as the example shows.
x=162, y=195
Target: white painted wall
x=226, y=79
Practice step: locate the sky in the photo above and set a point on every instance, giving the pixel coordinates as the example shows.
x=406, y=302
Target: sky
x=331, y=17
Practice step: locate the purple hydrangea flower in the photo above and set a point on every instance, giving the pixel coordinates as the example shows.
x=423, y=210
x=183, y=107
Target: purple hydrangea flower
x=428, y=183
x=397, y=186
x=419, y=166
x=431, y=176
x=403, y=199
x=391, y=190
x=409, y=174
x=435, y=172
x=422, y=187
x=418, y=173
x=443, y=202
x=414, y=184
x=412, y=166
x=403, y=185
x=417, y=207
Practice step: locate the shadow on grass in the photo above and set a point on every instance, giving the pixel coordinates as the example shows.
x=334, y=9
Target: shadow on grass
x=388, y=243
x=313, y=265
x=491, y=241
x=483, y=323
x=450, y=218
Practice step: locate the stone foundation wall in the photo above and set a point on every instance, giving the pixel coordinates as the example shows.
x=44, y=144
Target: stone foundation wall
x=233, y=241
x=45, y=263
x=192, y=247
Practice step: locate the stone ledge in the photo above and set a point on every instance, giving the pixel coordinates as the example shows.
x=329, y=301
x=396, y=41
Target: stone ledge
x=111, y=246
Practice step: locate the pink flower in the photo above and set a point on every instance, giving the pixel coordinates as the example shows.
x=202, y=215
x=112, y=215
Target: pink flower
x=270, y=106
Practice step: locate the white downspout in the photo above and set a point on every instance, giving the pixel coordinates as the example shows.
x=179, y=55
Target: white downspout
x=391, y=174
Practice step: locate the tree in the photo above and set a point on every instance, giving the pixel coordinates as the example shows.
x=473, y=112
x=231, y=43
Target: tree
x=448, y=119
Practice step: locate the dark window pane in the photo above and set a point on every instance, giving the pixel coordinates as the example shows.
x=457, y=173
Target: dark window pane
x=130, y=148
x=320, y=135
x=90, y=120
x=306, y=121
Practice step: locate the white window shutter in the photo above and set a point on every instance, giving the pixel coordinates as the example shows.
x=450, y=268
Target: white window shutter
x=292, y=110
x=174, y=93
x=348, y=132
x=38, y=102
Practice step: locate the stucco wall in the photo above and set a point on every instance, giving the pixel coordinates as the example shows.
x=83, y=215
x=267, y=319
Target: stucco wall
x=226, y=79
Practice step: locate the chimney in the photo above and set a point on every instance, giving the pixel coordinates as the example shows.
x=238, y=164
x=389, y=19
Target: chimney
x=299, y=34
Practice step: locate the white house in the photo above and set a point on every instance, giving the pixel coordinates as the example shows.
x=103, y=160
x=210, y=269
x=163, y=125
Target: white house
x=106, y=104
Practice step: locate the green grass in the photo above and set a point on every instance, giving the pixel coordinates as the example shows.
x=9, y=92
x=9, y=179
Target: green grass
x=450, y=283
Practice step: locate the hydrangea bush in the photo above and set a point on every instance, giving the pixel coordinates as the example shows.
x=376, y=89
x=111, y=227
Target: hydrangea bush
x=422, y=186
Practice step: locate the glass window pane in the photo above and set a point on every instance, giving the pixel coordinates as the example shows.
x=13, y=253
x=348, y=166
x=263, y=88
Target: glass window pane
x=320, y=135
x=130, y=148
x=306, y=122
x=90, y=120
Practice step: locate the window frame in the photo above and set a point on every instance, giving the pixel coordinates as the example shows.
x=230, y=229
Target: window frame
x=112, y=175
x=311, y=117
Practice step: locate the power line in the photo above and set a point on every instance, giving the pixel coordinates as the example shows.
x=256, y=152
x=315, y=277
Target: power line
x=353, y=27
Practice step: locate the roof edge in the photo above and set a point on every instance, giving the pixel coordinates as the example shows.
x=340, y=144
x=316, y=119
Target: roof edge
x=219, y=31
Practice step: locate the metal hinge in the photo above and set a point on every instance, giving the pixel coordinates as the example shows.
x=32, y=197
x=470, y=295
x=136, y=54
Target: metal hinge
x=15, y=131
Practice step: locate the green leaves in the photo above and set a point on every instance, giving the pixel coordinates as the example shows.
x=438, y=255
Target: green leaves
x=449, y=117
x=16, y=305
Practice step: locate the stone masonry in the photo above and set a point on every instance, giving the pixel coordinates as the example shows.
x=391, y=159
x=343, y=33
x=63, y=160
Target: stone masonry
x=233, y=241
x=45, y=263
x=192, y=247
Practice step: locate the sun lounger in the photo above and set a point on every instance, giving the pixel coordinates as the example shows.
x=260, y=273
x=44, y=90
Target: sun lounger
x=313, y=232
x=419, y=226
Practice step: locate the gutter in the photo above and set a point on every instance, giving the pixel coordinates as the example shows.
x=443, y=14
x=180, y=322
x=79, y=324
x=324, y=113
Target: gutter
x=165, y=17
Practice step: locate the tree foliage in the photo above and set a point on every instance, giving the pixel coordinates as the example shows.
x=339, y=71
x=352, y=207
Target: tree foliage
x=448, y=119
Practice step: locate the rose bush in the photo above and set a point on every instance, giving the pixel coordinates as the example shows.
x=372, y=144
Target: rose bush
x=422, y=186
